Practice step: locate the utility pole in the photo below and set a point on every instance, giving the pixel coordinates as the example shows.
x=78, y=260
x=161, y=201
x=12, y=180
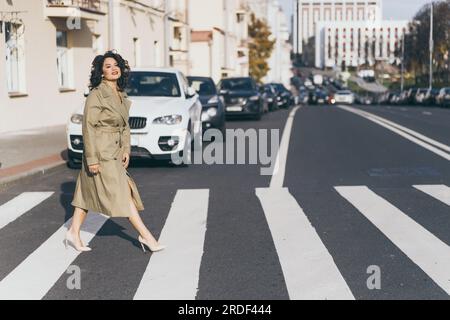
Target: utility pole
x=431, y=46
x=297, y=28
x=403, y=63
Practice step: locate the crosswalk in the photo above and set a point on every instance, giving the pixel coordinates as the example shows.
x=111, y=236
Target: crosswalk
x=309, y=269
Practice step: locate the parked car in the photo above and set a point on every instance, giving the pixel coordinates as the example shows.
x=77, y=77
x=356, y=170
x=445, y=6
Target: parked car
x=303, y=96
x=443, y=99
x=165, y=117
x=394, y=98
x=272, y=97
x=344, y=97
x=267, y=100
x=364, y=99
x=283, y=94
x=431, y=96
x=213, y=106
x=318, y=96
x=409, y=98
x=420, y=95
x=242, y=97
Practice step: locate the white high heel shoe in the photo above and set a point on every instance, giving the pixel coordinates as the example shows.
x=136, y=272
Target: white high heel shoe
x=152, y=249
x=69, y=240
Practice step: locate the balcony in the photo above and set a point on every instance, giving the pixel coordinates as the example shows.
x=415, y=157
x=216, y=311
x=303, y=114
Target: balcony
x=84, y=9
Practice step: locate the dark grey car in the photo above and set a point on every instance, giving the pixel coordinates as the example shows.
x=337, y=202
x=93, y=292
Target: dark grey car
x=213, y=114
x=242, y=97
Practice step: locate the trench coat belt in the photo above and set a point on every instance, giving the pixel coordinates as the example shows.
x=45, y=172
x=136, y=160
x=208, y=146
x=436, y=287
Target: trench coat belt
x=108, y=129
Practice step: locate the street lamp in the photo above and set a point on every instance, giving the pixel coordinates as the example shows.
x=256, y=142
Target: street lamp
x=431, y=45
x=403, y=63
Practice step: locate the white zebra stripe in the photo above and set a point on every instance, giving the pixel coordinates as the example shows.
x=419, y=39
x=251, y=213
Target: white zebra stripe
x=37, y=274
x=439, y=192
x=421, y=246
x=21, y=204
x=309, y=270
x=173, y=274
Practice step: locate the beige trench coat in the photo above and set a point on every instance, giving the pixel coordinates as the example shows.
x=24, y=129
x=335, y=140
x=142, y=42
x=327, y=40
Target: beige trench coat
x=106, y=136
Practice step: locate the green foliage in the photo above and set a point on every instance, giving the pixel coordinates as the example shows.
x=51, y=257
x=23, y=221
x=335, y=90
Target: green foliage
x=260, y=48
x=417, y=42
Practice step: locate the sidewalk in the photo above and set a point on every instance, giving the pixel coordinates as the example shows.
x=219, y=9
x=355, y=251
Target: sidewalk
x=29, y=152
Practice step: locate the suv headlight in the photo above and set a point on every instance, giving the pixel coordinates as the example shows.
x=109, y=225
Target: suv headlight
x=212, y=112
x=77, y=118
x=169, y=120
x=254, y=98
x=213, y=100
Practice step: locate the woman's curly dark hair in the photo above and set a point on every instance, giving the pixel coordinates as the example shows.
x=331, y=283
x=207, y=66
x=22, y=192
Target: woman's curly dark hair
x=97, y=70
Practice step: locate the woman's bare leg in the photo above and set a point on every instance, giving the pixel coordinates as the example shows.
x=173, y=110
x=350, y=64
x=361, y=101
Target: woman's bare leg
x=139, y=225
x=79, y=216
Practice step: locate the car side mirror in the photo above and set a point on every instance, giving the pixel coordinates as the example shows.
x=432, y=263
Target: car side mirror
x=190, y=92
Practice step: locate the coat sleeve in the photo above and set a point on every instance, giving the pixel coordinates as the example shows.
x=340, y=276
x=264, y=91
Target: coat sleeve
x=92, y=110
x=127, y=133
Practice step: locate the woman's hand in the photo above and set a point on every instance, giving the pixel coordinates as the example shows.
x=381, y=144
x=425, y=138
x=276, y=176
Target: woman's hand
x=94, y=169
x=126, y=160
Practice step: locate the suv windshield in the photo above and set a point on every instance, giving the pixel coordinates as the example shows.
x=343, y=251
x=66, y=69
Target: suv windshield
x=204, y=87
x=153, y=84
x=240, y=84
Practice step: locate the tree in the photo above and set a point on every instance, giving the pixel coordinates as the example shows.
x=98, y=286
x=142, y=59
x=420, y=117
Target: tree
x=417, y=41
x=260, y=47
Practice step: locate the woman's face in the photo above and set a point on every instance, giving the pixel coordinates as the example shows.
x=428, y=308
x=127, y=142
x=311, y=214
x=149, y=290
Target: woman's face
x=111, y=70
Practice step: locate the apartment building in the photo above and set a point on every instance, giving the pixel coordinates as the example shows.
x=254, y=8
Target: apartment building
x=48, y=47
x=177, y=33
x=219, y=33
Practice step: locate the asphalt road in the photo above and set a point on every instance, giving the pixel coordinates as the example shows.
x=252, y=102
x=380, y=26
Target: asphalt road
x=357, y=197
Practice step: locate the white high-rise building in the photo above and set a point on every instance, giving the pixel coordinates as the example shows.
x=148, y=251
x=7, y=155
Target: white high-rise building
x=312, y=12
x=357, y=43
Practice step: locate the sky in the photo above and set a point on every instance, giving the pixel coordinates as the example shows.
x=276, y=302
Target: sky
x=392, y=9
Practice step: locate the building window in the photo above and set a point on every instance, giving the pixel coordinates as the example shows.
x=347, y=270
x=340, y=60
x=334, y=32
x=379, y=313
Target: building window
x=157, y=54
x=63, y=60
x=97, y=44
x=240, y=17
x=15, y=57
x=137, y=52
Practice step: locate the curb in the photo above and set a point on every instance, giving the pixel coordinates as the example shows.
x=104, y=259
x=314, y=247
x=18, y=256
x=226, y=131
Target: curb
x=13, y=175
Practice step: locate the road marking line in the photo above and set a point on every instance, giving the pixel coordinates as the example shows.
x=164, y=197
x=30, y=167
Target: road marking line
x=173, y=274
x=425, y=142
x=21, y=204
x=439, y=192
x=38, y=273
x=277, y=180
x=421, y=246
x=309, y=270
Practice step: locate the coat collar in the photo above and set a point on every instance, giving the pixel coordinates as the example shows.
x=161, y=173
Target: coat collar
x=109, y=95
x=107, y=91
